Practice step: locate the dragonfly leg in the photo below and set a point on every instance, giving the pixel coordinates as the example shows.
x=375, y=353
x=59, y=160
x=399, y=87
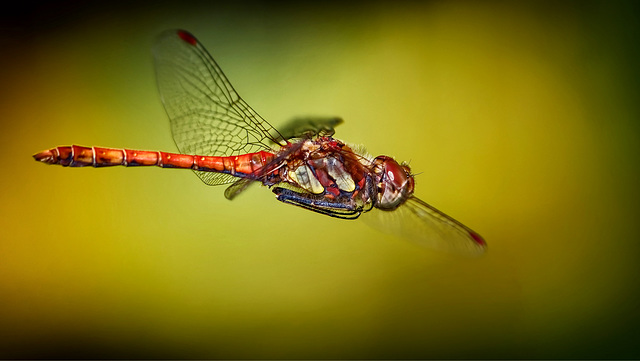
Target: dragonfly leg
x=317, y=204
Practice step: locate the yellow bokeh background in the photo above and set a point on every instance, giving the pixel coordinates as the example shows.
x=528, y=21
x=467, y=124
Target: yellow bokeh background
x=520, y=118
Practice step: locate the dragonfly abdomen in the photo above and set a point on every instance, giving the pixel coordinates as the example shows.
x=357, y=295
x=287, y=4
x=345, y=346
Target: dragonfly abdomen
x=79, y=156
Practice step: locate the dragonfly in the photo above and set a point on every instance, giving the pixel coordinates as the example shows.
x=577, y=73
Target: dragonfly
x=224, y=141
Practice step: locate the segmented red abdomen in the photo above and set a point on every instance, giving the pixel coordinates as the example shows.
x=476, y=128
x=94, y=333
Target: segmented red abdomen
x=77, y=156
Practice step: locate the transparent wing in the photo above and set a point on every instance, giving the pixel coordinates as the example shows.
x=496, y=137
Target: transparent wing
x=207, y=115
x=239, y=186
x=423, y=224
x=308, y=127
x=301, y=127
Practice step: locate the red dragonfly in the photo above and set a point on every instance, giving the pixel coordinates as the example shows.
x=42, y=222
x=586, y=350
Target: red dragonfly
x=223, y=140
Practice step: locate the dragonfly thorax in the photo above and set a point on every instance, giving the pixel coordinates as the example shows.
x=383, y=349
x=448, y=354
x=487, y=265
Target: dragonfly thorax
x=394, y=182
x=324, y=165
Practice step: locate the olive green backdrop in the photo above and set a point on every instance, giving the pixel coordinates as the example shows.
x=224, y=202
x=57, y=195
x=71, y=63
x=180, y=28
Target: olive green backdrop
x=520, y=118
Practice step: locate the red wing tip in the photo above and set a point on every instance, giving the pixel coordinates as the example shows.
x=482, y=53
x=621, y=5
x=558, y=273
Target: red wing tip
x=187, y=37
x=478, y=239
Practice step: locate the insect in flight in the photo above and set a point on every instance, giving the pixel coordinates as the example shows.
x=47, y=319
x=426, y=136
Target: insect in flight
x=225, y=141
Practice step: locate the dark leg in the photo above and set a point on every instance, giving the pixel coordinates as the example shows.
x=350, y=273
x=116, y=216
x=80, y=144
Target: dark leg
x=317, y=204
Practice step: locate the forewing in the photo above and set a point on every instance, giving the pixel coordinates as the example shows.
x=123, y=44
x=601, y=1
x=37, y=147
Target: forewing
x=423, y=224
x=308, y=127
x=207, y=115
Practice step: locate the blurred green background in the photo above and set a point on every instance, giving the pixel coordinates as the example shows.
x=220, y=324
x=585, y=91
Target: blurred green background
x=521, y=118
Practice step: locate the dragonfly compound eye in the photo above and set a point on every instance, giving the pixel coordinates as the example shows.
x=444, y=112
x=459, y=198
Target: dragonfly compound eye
x=394, y=182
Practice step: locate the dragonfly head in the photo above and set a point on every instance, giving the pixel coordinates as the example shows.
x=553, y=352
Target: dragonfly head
x=394, y=182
